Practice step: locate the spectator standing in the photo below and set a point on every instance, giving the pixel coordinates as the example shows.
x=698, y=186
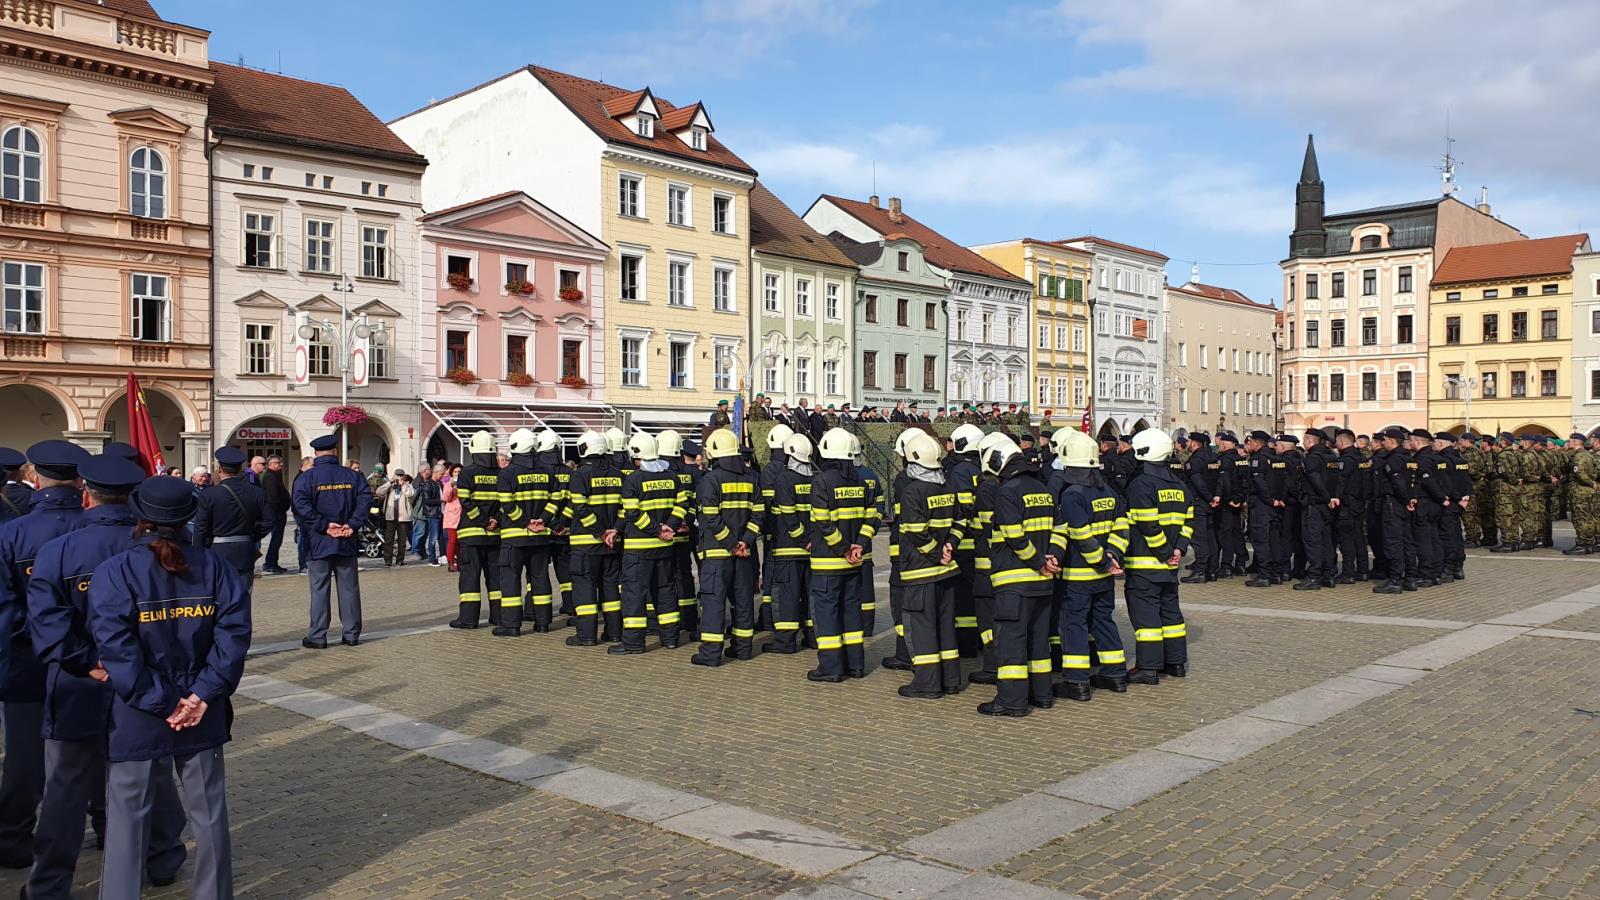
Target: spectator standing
x=395, y=495
x=258, y=464
x=427, y=510
x=278, y=504
x=451, y=517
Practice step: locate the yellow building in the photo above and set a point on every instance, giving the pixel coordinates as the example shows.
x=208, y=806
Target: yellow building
x=1059, y=334
x=1500, y=357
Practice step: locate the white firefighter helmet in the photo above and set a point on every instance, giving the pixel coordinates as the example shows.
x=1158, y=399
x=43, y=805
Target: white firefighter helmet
x=481, y=442
x=669, y=443
x=998, y=454
x=990, y=440
x=615, y=439
x=923, y=450
x=778, y=437
x=836, y=444
x=1152, y=445
x=965, y=438
x=592, y=443
x=521, y=441
x=798, y=446
x=548, y=440
x=642, y=447
x=1077, y=449
x=721, y=443
x=904, y=438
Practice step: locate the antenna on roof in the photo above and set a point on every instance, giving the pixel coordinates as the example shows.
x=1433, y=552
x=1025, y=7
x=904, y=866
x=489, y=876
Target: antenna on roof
x=1194, y=273
x=874, y=178
x=280, y=61
x=1448, y=186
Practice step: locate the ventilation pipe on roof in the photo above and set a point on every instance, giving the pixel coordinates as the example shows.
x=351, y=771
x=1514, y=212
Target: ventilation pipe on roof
x=1483, y=200
x=894, y=211
x=873, y=200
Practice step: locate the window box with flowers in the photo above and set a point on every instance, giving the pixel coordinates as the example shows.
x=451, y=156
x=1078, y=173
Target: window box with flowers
x=459, y=281
x=344, y=415
x=522, y=288
x=571, y=295
x=461, y=375
x=574, y=381
x=519, y=379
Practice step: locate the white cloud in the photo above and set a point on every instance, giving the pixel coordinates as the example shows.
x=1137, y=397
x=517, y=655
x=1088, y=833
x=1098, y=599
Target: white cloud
x=1518, y=80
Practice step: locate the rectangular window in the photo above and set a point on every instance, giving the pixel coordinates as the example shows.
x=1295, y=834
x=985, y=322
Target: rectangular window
x=632, y=361
x=1205, y=401
x=628, y=196
x=1519, y=291
x=1061, y=390
x=327, y=182
x=1548, y=324
x=152, y=308
x=1594, y=384
x=830, y=377
x=1402, y=330
x=1369, y=282
x=260, y=239
x=1061, y=337
x=1044, y=333
x=677, y=204
x=959, y=332
x=319, y=353
x=266, y=173
x=631, y=284
x=249, y=170
x=1594, y=321
x=1013, y=333
x=870, y=313
x=902, y=313
x=1491, y=294
x=1402, y=385
x=516, y=354
x=987, y=321
x=930, y=314
x=1369, y=386
x=832, y=294
x=1452, y=296
x=1491, y=384
x=378, y=365
x=869, y=368
x=571, y=358
x=1312, y=292
x=680, y=373
x=903, y=261
x=901, y=360
x=456, y=355
x=769, y=378
x=677, y=283
x=1404, y=286
x=1077, y=340
x=567, y=280
x=375, y=252
x=1491, y=327
x=722, y=214
x=1313, y=339
x=1549, y=288
x=1080, y=390
x=1519, y=326
x=1202, y=356
x=1336, y=288
x=1043, y=397
x=24, y=298
x=930, y=368
x=1547, y=382
x=1519, y=384
x=1335, y=333
x=517, y=273
x=802, y=375
x=722, y=369
x=1222, y=359
x=1313, y=388
x=802, y=296
x=769, y=293
x=319, y=245
x=260, y=348
x=1183, y=399
x=1452, y=330
x=722, y=289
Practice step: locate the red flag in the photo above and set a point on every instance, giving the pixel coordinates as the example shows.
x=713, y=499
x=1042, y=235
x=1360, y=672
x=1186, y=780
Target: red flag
x=142, y=431
x=1087, y=413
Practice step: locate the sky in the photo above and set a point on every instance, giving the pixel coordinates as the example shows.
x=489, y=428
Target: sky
x=1177, y=125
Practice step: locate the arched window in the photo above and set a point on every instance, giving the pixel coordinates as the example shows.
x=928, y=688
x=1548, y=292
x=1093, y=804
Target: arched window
x=147, y=183
x=21, y=165
x=1371, y=242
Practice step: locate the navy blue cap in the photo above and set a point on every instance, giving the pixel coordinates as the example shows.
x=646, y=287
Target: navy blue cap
x=1507, y=436
x=230, y=457
x=1316, y=433
x=164, y=501
x=1288, y=439
x=1396, y=432
x=111, y=473
x=57, y=459
x=1444, y=436
x=11, y=459
x=122, y=450
x=326, y=442
x=690, y=448
x=1262, y=436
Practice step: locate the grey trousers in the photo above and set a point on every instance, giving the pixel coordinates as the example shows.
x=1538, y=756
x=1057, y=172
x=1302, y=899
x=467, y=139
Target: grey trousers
x=341, y=571
x=131, y=789
x=22, y=784
x=75, y=781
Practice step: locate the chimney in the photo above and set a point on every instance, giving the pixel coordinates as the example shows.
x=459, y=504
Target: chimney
x=894, y=211
x=873, y=200
x=1483, y=201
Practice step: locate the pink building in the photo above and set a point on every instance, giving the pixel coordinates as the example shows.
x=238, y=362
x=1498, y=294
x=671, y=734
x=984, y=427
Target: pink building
x=513, y=335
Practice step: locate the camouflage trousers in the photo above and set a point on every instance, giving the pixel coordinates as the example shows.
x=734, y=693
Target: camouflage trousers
x=1477, y=523
x=1583, y=505
x=1508, y=512
x=1534, y=512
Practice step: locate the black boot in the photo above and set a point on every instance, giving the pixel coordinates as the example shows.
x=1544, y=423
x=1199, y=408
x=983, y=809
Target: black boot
x=1345, y=579
x=1579, y=550
x=624, y=650
x=1259, y=581
x=1197, y=578
x=1074, y=690
x=1176, y=670
x=1504, y=548
x=1388, y=587
x=1310, y=584
x=993, y=708
x=506, y=631
x=910, y=693
x=822, y=677
x=1116, y=684
x=982, y=677
x=467, y=616
x=1409, y=584
x=575, y=641
x=1140, y=676
x=893, y=662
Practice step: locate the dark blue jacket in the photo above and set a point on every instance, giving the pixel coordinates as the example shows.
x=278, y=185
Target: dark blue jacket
x=331, y=494
x=56, y=511
x=75, y=705
x=220, y=515
x=16, y=500
x=162, y=637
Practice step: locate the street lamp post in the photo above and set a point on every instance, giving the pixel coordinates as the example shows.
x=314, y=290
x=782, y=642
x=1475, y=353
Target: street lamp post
x=1090, y=366
x=348, y=333
x=1465, y=386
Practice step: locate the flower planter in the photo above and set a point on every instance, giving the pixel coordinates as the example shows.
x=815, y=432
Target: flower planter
x=519, y=288
x=459, y=282
x=571, y=295
x=461, y=375
x=344, y=415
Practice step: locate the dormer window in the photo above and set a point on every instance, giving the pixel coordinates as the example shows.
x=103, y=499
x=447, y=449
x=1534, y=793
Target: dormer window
x=1371, y=242
x=644, y=125
x=697, y=138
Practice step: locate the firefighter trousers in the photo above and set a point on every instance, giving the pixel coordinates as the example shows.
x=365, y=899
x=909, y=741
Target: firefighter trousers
x=1087, y=609
x=928, y=610
x=646, y=583
x=1022, y=647
x=788, y=582
x=596, y=594
x=478, y=579
x=524, y=564
x=726, y=583
x=836, y=610
x=1160, y=636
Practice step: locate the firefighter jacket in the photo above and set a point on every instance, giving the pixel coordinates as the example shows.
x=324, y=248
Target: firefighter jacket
x=730, y=508
x=593, y=503
x=894, y=526
x=1024, y=520
x=874, y=504
x=961, y=473
x=551, y=463
x=649, y=501
x=524, y=494
x=838, y=517
x=789, y=517
x=771, y=474
x=982, y=527
x=1091, y=528
x=927, y=523
x=478, y=489
x=1159, y=513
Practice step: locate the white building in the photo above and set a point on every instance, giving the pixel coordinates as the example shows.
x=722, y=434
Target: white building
x=1586, y=341
x=311, y=191
x=1125, y=299
x=1220, y=360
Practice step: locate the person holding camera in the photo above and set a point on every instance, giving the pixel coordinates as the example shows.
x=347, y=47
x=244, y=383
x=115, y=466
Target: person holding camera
x=395, y=496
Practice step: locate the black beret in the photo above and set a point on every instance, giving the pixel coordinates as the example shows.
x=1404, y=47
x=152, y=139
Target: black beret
x=1259, y=435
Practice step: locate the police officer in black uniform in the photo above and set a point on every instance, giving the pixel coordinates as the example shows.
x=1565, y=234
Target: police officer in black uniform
x=1290, y=547
x=1319, y=503
x=233, y=517
x=332, y=503
x=1203, y=474
x=1452, y=539
x=1433, y=495
x=1228, y=518
x=1269, y=492
x=17, y=498
x=1394, y=476
x=1350, y=520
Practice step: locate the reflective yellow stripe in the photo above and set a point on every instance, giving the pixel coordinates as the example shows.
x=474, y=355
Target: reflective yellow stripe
x=1039, y=666
x=966, y=621
x=1174, y=631
x=1017, y=576
x=900, y=630
x=471, y=597
x=1012, y=673
x=829, y=642
x=925, y=659
x=853, y=637
x=707, y=637
x=831, y=564
x=949, y=654
x=927, y=572
x=586, y=609
x=744, y=632
x=987, y=636
x=1112, y=657
x=612, y=606
x=512, y=601
x=786, y=626
x=635, y=622
x=1075, y=661
x=668, y=618
x=868, y=606
x=1079, y=573
x=1146, y=635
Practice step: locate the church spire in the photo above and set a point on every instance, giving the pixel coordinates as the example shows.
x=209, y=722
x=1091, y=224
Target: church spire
x=1308, y=169
x=1310, y=237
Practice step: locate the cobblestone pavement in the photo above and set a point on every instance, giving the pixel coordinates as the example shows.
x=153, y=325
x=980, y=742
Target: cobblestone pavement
x=1584, y=621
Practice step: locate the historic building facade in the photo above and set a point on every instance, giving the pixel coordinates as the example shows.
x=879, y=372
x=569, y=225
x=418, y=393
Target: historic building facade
x=1586, y=341
x=986, y=343
x=651, y=180
x=1220, y=360
x=802, y=298
x=1125, y=300
x=1502, y=320
x=1059, y=345
x=315, y=206
x=105, y=248
x=1354, y=348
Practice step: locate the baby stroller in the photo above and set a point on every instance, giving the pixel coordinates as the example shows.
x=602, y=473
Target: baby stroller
x=372, y=533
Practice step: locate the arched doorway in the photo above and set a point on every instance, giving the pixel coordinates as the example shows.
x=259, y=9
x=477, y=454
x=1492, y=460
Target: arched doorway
x=1534, y=428
x=1140, y=426
x=267, y=436
x=166, y=414
x=371, y=444
x=34, y=414
x=1108, y=431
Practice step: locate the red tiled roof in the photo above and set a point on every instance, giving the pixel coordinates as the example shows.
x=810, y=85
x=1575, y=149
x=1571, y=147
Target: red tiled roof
x=1089, y=238
x=936, y=248
x=774, y=228
x=682, y=117
x=256, y=103
x=1220, y=293
x=1512, y=259
x=129, y=7
x=593, y=102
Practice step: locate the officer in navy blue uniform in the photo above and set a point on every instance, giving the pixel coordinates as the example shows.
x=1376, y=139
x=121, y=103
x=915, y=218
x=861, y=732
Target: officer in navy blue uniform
x=172, y=625
x=17, y=498
x=333, y=502
x=232, y=517
x=77, y=699
x=122, y=450
x=57, y=508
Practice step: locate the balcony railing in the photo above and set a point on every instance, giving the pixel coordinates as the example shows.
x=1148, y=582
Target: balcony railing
x=37, y=13
x=147, y=37
x=149, y=353
x=24, y=347
x=22, y=214
x=150, y=231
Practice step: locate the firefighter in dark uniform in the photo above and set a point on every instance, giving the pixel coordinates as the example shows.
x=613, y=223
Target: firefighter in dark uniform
x=900, y=660
x=1395, y=478
x=550, y=459
x=961, y=473
x=1091, y=534
x=1433, y=495
x=1319, y=503
x=1202, y=473
x=232, y=517
x=16, y=498
x=1350, y=520
x=771, y=474
x=866, y=588
x=594, y=497
x=1269, y=488
x=523, y=496
x=57, y=509
x=728, y=500
x=478, y=535
x=1023, y=573
x=332, y=502
x=786, y=563
x=927, y=532
x=171, y=624
x=982, y=526
x=1159, y=511
x=77, y=698
x=645, y=524
x=669, y=445
x=840, y=535
x=1228, y=518
x=1452, y=539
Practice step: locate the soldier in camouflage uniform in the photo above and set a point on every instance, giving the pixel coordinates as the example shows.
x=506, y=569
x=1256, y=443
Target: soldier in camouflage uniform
x=1509, y=473
x=1477, y=527
x=1583, y=486
x=1531, y=512
x=1551, y=468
